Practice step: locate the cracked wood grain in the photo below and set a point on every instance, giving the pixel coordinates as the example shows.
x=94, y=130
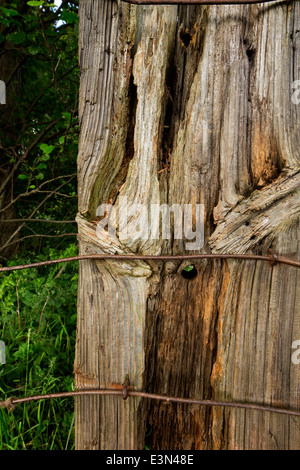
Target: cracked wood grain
x=184, y=105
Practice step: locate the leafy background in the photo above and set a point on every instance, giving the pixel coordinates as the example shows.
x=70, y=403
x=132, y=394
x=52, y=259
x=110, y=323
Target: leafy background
x=38, y=151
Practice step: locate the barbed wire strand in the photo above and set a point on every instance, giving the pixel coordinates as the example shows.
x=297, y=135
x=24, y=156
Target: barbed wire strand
x=195, y=2
x=10, y=403
x=271, y=258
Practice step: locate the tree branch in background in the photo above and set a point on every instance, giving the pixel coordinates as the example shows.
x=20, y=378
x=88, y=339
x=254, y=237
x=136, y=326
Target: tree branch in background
x=41, y=220
x=72, y=234
x=23, y=157
x=33, y=213
x=38, y=190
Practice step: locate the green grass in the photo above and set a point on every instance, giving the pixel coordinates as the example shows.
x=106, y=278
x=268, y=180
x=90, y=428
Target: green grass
x=38, y=326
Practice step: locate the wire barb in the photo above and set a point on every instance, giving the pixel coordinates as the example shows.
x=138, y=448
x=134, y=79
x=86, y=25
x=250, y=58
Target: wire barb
x=8, y=403
x=126, y=385
x=273, y=257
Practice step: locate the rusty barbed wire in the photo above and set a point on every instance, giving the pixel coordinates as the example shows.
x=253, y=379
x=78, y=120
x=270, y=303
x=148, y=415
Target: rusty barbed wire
x=272, y=258
x=10, y=403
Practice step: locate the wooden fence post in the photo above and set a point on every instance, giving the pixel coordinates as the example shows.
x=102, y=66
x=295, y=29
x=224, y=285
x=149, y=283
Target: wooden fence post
x=189, y=105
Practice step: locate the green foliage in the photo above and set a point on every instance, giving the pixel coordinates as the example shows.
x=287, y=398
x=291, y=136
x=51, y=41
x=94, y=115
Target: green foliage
x=38, y=148
x=189, y=268
x=40, y=137
x=8, y=12
x=35, y=3
x=38, y=326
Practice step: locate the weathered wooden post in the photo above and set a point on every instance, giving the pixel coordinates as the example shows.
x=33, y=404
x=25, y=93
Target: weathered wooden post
x=189, y=105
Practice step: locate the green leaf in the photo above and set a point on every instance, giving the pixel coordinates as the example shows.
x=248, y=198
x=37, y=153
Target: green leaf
x=22, y=177
x=16, y=38
x=69, y=16
x=9, y=12
x=33, y=50
x=45, y=157
x=47, y=148
x=66, y=115
x=4, y=21
x=40, y=176
x=42, y=166
x=189, y=268
x=35, y=3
